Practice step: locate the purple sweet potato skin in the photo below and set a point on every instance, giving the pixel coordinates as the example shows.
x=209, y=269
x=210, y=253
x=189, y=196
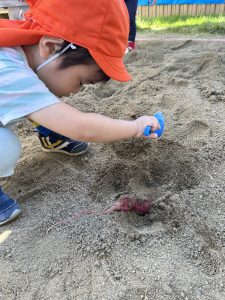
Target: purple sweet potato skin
x=127, y=203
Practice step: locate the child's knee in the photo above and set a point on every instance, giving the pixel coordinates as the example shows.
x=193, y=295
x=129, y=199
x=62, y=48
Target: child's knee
x=10, y=149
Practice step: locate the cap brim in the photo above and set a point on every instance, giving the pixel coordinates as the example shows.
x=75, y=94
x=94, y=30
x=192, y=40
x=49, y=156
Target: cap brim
x=111, y=66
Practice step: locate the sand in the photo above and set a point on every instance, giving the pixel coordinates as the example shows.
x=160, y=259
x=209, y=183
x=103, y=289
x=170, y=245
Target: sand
x=177, y=251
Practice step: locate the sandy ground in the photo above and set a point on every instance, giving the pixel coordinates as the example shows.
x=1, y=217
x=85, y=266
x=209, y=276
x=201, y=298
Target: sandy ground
x=177, y=251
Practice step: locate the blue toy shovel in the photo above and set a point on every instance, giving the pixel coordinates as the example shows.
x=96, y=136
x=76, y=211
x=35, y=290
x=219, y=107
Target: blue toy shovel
x=159, y=116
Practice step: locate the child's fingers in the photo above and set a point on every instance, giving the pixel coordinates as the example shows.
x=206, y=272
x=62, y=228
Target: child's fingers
x=153, y=135
x=155, y=125
x=146, y=127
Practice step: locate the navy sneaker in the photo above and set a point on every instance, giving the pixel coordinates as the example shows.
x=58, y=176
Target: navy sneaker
x=54, y=142
x=9, y=208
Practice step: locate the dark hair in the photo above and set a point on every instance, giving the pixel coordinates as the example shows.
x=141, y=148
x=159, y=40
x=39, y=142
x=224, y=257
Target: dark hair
x=78, y=56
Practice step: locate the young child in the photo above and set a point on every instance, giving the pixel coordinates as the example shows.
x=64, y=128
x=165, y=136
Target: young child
x=60, y=46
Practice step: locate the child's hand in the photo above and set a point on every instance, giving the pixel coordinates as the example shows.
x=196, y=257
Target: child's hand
x=145, y=121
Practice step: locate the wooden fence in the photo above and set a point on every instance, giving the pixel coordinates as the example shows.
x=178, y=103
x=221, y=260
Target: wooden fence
x=155, y=10
x=180, y=10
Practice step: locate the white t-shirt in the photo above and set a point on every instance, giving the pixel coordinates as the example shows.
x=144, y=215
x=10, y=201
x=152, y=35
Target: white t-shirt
x=21, y=91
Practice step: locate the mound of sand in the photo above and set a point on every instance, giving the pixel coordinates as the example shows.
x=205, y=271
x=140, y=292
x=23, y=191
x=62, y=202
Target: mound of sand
x=176, y=252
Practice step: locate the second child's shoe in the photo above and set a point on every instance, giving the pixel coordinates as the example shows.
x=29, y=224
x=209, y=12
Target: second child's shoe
x=130, y=46
x=9, y=208
x=54, y=142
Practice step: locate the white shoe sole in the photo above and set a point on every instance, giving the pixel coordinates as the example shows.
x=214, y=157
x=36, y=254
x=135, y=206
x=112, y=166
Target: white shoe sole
x=14, y=215
x=64, y=152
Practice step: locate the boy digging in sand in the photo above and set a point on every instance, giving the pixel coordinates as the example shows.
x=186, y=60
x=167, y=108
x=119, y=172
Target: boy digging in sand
x=60, y=46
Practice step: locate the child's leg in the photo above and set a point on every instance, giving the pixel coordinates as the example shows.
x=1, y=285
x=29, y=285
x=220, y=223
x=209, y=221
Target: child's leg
x=54, y=142
x=9, y=155
x=132, y=9
x=10, y=150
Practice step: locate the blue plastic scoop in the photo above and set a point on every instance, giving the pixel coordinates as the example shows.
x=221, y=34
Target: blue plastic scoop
x=159, y=116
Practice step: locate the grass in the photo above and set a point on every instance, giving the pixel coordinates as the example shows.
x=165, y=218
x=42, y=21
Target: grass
x=212, y=24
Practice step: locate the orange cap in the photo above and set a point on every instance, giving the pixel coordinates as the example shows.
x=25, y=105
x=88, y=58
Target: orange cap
x=100, y=26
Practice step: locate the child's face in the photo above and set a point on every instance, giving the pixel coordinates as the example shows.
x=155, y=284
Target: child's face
x=62, y=82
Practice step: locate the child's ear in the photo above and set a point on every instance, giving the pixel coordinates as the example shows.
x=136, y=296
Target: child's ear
x=49, y=45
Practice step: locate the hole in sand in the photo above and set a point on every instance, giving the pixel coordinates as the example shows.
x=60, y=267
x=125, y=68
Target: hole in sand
x=149, y=167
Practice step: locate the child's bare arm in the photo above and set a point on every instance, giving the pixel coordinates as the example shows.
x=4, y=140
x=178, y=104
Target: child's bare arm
x=91, y=127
